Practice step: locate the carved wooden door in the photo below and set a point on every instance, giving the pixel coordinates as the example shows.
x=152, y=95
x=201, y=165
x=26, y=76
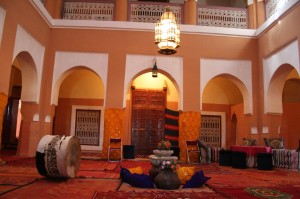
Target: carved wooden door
x=147, y=123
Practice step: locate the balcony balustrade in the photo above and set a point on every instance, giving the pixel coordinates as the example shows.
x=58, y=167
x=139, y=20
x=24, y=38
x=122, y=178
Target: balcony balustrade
x=150, y=12
x=222, y=17
x=103, y=11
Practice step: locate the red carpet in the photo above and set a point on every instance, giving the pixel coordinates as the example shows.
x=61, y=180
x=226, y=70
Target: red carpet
x=98, y=178
x=71, y=188
x=155, y=195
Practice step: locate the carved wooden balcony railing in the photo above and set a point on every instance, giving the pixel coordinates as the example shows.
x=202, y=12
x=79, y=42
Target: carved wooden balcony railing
x=103, y=11
x=151, y=12
x=222, y=17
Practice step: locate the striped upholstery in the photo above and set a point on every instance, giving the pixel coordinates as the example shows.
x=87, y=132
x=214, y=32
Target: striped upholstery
x=284, y=158
x=215, y=154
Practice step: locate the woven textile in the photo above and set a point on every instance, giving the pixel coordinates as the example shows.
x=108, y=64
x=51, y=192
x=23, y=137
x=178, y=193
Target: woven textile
x=189, y=125
x=284, y=158
x=172, y=126
x=215, y=154
x=113, y=128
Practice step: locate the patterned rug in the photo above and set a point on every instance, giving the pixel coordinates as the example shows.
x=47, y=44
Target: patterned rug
x=252, y=183
x=76, y=188
x=98, y=178
x=9, y=183
x=272, y=193
x=155, y=194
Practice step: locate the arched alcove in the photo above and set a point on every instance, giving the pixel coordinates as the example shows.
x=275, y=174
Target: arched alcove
x=219, y=96
x=172, y=67
x=80, y=105
x=162, y=85
x=238, y=71
x=277, y=67
x=26, y=65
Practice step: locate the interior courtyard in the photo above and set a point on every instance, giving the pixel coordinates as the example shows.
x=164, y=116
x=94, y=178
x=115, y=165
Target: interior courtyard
x=92, y=69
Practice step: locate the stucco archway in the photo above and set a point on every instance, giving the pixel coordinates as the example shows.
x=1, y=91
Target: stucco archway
x=239, y=72
x=80, y=107
x=97, y=62
x=171, y=66
x=276, y=69
x=144, y=82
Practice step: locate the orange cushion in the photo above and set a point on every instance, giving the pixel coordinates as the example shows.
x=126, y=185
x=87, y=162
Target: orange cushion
x=185, y=173
x=136, y=170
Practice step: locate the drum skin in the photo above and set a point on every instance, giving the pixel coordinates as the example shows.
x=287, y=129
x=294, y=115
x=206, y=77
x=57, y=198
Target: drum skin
x=58, y=156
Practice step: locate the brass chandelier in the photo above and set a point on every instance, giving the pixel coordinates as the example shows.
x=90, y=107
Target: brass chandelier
x=167, y=33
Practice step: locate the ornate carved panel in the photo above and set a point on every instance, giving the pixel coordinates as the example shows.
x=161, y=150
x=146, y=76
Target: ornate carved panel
x=211, y=130
x=148, y=108
x=87, y=127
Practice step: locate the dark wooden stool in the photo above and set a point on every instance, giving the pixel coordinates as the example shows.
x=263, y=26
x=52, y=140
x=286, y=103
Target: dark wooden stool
x=264, y=161
x=239, y=159
x=225, y=158
x=128, y=151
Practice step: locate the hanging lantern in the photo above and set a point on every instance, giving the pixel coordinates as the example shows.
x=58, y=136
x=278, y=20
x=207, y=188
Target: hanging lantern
x=154, y=70
x=167, y=33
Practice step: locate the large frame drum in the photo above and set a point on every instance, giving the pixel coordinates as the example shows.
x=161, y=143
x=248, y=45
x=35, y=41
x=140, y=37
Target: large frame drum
x=58, y=157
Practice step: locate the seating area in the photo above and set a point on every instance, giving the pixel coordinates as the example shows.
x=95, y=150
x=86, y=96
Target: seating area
x=273, y=154
x=102, y=179
x=282, y=157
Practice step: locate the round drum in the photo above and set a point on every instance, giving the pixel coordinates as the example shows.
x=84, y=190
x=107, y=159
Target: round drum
x=58, y=157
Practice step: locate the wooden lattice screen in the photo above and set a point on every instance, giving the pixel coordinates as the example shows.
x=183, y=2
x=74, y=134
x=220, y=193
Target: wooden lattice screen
x=211, y=130
x=87, y=127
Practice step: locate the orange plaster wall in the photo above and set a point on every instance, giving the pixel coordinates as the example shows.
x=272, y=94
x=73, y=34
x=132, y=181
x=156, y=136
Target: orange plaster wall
x=119, y=43
x=290, y=125
x=18, y=12
x=196, y=47
x=273, y=40
x=261, y=16
x=62, y=122
x=54, y=8
x=244, y=124
x=30, y=133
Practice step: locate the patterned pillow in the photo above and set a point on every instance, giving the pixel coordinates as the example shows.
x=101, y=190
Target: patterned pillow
x=274, y=143
x=249, y=142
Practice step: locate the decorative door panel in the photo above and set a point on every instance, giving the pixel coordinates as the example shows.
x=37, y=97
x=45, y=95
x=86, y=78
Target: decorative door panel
x=87, y=127
x=211, y=130
x=147, y=123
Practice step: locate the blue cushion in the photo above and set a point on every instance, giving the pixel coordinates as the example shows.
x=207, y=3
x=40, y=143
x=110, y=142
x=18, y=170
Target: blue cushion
x=124, y=174
x=136, y=180
x=197, y=180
